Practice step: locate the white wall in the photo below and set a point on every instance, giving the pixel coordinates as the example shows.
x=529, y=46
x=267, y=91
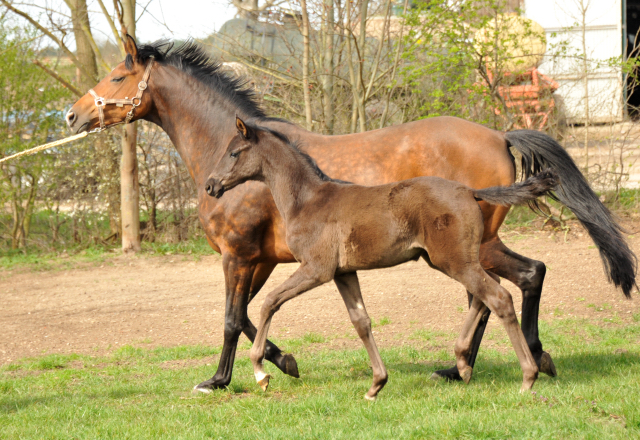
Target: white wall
x=562, y=21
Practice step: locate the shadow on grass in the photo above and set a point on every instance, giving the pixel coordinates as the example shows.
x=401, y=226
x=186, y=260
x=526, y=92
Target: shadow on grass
x=8, y=405
x=578, y=367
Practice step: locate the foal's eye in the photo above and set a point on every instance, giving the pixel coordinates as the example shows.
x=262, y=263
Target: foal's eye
x=235, y=154
x=117, y=80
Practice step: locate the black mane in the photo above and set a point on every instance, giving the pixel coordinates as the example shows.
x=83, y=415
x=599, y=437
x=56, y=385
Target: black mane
x=191, y=58
x=296, y=147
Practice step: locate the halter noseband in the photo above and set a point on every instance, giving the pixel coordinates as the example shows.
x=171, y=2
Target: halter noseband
x=133, y=102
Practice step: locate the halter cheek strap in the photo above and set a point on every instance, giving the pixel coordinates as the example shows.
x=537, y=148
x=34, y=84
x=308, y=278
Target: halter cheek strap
x=133, y=102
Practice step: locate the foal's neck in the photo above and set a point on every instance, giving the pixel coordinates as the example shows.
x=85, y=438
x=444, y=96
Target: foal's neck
x=290, y=177
x=196, y=119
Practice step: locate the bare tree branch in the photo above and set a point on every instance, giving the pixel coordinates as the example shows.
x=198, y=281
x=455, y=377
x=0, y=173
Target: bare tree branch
x=50, y=35
x=58, y=78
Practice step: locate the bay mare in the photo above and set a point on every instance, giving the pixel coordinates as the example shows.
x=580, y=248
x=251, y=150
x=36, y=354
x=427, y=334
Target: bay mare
x=195, y=103
x=335, y=229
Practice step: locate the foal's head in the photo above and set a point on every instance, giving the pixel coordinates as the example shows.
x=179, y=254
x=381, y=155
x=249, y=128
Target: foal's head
x=241, y=161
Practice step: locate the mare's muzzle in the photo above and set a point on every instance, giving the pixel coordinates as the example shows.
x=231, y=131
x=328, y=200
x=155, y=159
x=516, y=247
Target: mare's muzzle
x=214, y=188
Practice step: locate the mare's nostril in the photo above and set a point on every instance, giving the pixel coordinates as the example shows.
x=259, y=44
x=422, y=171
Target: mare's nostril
x=209, y=189
x=71, y=118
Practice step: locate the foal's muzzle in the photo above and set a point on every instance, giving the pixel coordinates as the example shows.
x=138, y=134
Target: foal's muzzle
x=214, y=188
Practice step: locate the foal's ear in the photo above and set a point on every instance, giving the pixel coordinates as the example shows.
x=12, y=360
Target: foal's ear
x=246, y=132
x=130, y=46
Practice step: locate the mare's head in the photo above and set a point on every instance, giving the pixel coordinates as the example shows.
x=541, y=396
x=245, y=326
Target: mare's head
x=240, y=162
x=126, y=82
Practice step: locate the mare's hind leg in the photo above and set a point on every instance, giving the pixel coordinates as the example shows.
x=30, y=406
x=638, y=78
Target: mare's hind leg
x=303, y=279
x=498, y=299
x=349, y=288
x=528, y=275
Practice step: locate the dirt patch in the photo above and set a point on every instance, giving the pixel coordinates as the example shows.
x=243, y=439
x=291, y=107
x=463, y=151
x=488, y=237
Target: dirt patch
x=163, y=301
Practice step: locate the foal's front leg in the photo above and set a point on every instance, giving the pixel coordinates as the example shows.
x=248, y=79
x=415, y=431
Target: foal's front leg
x=302, y=280
x=349, y=288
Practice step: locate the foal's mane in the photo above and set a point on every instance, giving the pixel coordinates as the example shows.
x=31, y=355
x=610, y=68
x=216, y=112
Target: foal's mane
x=192, y=59
x=295, y=146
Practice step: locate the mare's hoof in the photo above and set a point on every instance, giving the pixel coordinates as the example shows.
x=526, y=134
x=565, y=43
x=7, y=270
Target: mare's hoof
x=450, y=375
x=546, y=365
x=466, y=373
x=370, y=398
x=208, y=386
x=264, y=382
x=290, y=366
x=198, y=389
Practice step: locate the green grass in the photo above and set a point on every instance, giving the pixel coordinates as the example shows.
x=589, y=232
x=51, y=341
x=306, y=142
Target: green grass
x=145, y=393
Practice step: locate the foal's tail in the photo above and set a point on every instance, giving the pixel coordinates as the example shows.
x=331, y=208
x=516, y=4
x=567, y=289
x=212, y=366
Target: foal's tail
x=520, y=193
x=541, y=151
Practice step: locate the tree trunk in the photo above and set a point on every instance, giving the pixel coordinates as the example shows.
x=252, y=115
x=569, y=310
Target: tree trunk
x=305, y=64
x=105, y=160
x=129, y=186
x=327, y=79
x=84, y=52
x=364, y=9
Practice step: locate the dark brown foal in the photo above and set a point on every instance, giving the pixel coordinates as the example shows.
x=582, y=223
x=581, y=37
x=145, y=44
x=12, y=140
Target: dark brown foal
x=335, y=229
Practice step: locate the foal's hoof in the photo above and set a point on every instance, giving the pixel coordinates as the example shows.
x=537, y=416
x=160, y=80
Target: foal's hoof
x=290, y=366
x=526, y=386
x=264, y=382
x=370, y=398
x=546, y=365
x=450, y=375
x=466, y=373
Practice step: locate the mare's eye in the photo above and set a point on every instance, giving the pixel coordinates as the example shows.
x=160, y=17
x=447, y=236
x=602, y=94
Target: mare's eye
x=235, y=154
x=117, y=80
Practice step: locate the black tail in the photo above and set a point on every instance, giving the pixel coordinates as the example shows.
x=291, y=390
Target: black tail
x=524, y=192
x=540, y=151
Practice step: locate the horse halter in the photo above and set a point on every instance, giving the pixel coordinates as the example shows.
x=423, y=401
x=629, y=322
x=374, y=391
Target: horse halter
x=133, y=102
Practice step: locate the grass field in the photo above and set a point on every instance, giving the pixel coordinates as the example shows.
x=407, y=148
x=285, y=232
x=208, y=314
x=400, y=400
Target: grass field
x=145, y=393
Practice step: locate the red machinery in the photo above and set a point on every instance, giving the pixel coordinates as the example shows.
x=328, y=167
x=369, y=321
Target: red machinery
x=529, y=95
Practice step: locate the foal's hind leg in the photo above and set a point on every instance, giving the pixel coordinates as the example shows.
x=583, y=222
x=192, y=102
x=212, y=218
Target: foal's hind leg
x=349, y=288
x=475, y=338
x=464, y=344
x=499, y=300
x=528, y=275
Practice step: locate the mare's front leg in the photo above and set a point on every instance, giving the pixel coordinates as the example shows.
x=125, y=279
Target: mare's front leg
x=239, y=277
x=302, y=280
x=349, y=288
x=285, y=362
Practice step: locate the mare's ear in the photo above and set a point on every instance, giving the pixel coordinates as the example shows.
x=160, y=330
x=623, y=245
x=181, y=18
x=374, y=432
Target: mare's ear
x=130, y=46
x=246, y=132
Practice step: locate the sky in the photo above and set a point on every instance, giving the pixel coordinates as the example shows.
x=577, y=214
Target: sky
x=177, y=19
x=172, y=19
